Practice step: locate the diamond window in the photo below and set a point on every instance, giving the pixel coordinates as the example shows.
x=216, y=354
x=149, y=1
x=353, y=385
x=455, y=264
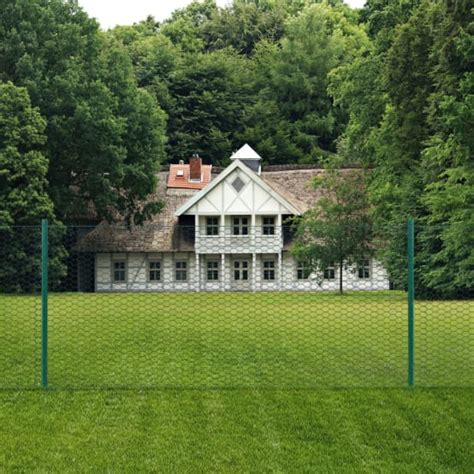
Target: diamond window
x=238, y=184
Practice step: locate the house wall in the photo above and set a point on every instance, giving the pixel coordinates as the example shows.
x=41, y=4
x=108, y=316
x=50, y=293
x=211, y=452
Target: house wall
x=226, y=202
x=378, y=279
x=137, y=272
x=285, y=274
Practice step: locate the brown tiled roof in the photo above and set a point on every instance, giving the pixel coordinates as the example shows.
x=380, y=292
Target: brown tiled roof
x=175, y=181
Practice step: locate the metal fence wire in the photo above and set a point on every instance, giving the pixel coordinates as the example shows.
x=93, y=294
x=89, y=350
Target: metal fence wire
x=214, y=307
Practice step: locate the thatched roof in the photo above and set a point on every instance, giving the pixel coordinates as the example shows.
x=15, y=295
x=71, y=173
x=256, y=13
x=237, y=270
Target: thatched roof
x=163, y=234
x=294, y=186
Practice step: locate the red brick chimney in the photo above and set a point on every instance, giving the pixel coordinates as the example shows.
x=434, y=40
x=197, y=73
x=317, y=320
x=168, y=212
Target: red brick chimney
x=195, y=173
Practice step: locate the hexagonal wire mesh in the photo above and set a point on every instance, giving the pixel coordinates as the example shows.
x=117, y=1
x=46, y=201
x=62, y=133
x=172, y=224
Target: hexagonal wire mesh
x=211, y=306
x=20, y=306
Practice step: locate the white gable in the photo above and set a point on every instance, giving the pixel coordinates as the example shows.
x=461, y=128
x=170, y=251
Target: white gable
x=237, y=190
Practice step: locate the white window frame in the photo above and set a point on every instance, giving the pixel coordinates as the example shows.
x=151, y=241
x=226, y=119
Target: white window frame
x=178, y=267
x=303, y=270
x=268, y=229
x=241, y=270
x=269, y=270
x=361, y=265
x=240, y=226
x=214, y=270
x=116, y=261
x=330, y=269
x=213, y=226
x=152, y=261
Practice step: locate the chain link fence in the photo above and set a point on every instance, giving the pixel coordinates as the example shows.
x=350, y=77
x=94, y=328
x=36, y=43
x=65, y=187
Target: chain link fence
x=213, y=307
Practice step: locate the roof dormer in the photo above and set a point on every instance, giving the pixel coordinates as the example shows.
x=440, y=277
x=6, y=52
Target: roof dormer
x=249, y=157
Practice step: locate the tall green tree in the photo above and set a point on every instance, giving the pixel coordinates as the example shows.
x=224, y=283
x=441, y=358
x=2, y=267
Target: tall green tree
x=337, y=230
x=210, y=92
x=53, y=49
x=243, y=24
x=23, y=193
x=409, y=122
x=448, y=157
x=293, y=103
x=186, y=26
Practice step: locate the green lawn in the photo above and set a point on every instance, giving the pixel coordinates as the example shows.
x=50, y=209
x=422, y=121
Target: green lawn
x=198, y=340
x=357, y=430
x=246, y=377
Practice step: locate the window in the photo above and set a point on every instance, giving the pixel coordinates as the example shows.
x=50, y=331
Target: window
x=238, y=184
x=181, y=270
x=212, y=226
x=269, y=269
x=240, y=226
x=212, y=270
x=119, y=271
x=241, y=270
x=303, y=271
x=154, y=270
x=330, y=272
x=363, y=268
x=268, y=226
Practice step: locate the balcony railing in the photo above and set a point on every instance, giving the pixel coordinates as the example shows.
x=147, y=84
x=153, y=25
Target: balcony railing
x=255, y=241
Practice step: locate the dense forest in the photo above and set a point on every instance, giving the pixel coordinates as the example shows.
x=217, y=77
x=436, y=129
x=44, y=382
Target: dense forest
x=87, y=116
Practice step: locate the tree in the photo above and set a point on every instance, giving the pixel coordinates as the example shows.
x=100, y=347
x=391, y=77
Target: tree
x=292, y=82
x=23, y=197
x=410, y=117
x=53, y=49
x=186, y=26
x=448, y=157
x=338, y=228
x=243, y=24
x=210, y=92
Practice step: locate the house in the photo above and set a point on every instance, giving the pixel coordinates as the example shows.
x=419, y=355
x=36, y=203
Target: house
x=219, y=232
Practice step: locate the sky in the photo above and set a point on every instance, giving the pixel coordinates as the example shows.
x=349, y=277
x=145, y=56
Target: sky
x=126, y=12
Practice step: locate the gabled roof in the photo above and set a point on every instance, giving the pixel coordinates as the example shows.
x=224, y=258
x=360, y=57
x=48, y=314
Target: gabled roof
x=163, y=233
x=253, y=176
x=246, y=153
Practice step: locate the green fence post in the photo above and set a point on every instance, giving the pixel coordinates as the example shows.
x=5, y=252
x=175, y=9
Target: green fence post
x=411, y=301
x=44, y=303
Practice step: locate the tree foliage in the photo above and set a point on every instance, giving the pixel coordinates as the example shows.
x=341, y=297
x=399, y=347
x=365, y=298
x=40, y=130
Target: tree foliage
x=23, y=193
x=388, y=87
x=410, y=121
x=293, y=103
x=337, y=230
x=54, y=50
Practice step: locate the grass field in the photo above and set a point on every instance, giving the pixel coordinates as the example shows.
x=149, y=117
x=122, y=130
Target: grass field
x=199, y=431
x=278, y=351
x=198, y=340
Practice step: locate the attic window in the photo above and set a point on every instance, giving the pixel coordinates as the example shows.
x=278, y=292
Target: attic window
x=238, y=184
x=180, y=173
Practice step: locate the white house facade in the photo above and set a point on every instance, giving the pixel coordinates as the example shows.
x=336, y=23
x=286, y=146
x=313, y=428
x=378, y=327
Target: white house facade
x=221, y=232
